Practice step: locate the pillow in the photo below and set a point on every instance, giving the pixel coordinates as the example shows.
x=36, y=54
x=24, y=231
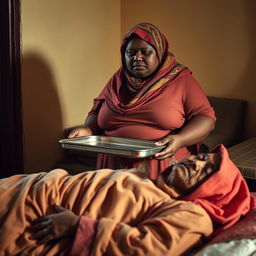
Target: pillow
x=241, y=247
x=245, y=228
x=240, y=239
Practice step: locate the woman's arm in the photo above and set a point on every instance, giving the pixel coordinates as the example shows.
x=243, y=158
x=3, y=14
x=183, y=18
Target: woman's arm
x=196, y=129
x=89, y=128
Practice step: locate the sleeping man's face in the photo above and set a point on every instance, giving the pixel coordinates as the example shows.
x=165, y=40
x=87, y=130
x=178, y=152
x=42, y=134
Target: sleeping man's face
x=191, y=172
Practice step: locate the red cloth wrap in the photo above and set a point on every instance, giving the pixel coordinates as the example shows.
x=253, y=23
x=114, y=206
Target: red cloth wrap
x=165, y=102
x=225, y=195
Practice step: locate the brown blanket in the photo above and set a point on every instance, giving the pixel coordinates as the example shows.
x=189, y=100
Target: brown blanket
x=119, y=197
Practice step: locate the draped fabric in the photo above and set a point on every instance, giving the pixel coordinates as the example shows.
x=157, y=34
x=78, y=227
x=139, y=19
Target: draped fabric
x=122, y=211
x=161, y=104
x=125, y=213
x=225, y=196
x=11, y=153
x=168, y=70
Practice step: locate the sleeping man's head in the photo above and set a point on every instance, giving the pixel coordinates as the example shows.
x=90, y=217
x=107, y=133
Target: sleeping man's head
x=189, y=173
x=212, y=181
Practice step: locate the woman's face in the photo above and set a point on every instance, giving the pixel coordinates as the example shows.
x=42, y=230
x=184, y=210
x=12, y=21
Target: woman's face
x=192, y=171
x=140, y=58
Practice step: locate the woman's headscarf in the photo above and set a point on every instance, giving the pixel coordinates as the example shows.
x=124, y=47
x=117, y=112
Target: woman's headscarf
x=150, y=34
x=167, y=71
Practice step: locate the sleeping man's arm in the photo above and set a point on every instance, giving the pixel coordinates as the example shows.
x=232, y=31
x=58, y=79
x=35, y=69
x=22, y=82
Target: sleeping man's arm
x=169, y=229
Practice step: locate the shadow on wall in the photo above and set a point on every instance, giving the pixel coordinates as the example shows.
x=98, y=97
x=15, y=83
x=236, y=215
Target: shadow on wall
x=42, y=119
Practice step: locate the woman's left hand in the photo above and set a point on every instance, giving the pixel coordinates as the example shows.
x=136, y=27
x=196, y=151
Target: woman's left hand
x=54, y=226
x=195, y=130
x=173, y=144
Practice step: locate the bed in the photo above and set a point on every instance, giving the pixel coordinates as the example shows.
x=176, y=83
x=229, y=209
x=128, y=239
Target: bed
x=39, y=192
x=239, y=240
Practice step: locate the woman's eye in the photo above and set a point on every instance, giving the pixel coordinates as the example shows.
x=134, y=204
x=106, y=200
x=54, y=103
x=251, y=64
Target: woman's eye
x=130, y=53
x=147, y=52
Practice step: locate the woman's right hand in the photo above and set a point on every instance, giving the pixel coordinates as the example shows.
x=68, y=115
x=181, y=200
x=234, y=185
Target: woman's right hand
x=79, y=132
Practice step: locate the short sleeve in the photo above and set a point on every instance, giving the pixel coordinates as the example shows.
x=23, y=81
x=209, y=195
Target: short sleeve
x=195, y=101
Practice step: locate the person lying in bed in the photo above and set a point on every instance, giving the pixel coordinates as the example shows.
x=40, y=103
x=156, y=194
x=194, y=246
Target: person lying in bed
x=109, y=212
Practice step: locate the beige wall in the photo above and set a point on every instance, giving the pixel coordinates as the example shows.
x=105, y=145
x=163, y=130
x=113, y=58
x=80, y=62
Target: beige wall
x=70, y=49
x=215, y=39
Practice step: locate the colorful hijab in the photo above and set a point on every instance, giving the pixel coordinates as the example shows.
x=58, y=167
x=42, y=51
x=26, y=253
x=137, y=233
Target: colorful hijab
x=225, y=195
x=167, y=71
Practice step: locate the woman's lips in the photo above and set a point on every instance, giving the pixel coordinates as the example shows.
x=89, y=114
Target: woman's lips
x=136, y=67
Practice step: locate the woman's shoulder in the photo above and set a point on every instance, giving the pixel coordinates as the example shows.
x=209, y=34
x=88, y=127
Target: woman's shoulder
x=185, y=80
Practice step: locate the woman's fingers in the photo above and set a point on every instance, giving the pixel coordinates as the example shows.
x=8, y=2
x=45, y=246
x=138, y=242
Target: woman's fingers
x=168, y=151
x=172, y=146
x=163, y=141
x=73, y=134
x=173, y=143
x=161, y=156
x=79, y=132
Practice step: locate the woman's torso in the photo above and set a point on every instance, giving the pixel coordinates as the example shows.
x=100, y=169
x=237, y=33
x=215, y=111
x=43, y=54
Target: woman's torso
x=153, y=120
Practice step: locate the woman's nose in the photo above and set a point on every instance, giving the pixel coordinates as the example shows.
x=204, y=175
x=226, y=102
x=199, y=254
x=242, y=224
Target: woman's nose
x=138, y=56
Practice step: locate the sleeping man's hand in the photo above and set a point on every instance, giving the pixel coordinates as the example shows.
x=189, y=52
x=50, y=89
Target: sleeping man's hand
x=54, y=226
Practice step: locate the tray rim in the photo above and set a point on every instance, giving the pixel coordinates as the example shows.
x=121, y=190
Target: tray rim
x=136, y=153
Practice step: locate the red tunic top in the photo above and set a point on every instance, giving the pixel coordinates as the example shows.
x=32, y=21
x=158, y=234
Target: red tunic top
x=155, y=119
x=158, y=106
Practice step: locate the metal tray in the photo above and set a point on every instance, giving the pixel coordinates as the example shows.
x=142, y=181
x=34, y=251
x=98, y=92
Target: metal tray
x=132, y=148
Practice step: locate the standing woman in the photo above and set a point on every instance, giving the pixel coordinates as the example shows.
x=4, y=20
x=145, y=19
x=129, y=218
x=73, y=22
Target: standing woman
x=151, y=97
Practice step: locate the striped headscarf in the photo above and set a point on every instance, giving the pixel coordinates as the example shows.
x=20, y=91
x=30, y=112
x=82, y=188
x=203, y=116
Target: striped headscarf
x=151, y=35
x=168, y=68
